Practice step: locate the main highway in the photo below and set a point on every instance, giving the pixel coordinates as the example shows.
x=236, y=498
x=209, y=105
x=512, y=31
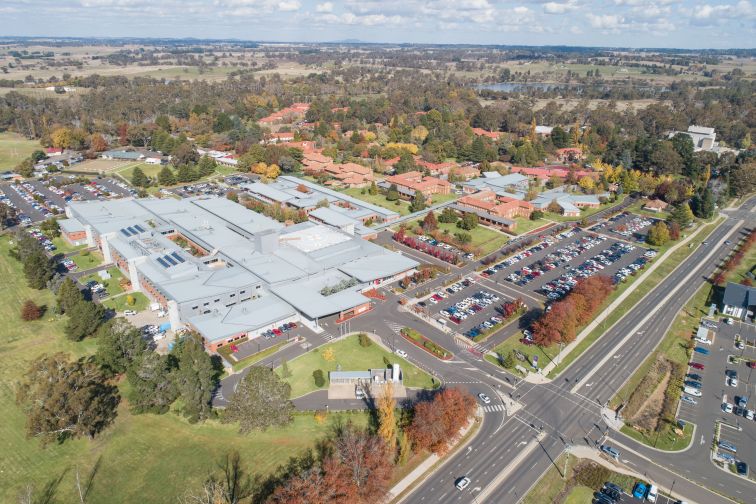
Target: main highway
x=511, y=452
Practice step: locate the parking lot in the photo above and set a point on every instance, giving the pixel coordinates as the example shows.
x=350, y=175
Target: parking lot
x=201, y=189
x=466, y=307
x=727, y=388
x=552, y=267
x=627, y=226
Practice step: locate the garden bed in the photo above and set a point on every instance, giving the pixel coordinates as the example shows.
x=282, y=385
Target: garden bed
x=426, y=344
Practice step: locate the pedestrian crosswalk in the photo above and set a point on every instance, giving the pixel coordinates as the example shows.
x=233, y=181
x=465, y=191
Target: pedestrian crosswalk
x=394, y=326
x=327, y=336
x=473, y=347
x=492, y=408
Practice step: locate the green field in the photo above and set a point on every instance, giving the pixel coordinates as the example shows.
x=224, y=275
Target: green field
x=120, y=303
x=351, y=357
x=665, y=440
x=149, y=169
x=580, y=495
x=14, y=148
x=87, y=259
x=487, y=239
x=526, y=225
x=145, y=458
x=62, y=246
x=379, y=199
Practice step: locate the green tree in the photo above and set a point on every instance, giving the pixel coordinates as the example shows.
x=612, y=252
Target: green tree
x=261, y=400
x=463, y=238
x=194, y=377
x=138, y=178
x=119, y=344
x=206, y=166
x=703, y=203
x=38, y=268
x=393, y=193
x=153, y=391
x=418, y=202
x=25, y=168
x=318, y=377
x=448, y=216
x=84, y=318
x=68, y=295
x=658, y=234
x=508, y=361
x=406, y=163
x=364, y=340
x=63, y=399
x=559, y=137
x=373, y=190
x=682, y=214
x=405, y=448
x=50, y=227
x=166, y=176
x=185, y=174
x=469, y=221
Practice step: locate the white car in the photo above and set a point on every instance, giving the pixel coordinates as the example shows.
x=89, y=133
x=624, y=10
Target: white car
x=483, y=397
x=727, y=407
x=462, y=483
x=705, y=341
x=730, y=321
x=401, y=353
x=129, y=312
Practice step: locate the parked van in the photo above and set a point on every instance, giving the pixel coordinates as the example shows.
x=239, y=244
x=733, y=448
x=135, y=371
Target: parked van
x=692, y=391
x=652, y=493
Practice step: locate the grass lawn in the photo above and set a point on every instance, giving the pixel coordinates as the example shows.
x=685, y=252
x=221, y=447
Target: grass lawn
x=659, y=274
x=119, y=303
x=379, y=199
x=112, y=285
x=62, y=246
x=15, y=148
x=135, y=449
x=149, y=169
x=527, y=225
x=580, y=495
x=545, y=354
x=666, y=440
x=489, y=240
x=87, y=260
x=352, y=357
x=637, y=208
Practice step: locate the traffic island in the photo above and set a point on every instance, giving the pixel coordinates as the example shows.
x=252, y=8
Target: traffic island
x=426, y=344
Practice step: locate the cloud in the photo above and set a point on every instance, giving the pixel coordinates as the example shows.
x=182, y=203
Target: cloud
x=289, y=5
x=559, y=8
x=324, y=7
x=605, y=21
x=349, y=18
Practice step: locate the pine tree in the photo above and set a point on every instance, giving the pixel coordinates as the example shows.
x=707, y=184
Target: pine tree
x=393, y=193
x=508, y=361
x=195, y=377
x=139, y=179
x=38, y=268
x=153, y=391
x=405, y=449
x=260, y=401
x=184, y=174
x=206, y=166
x=166, y=176
x=68, y=295
x=418, y=202
x=84, y=318
x=373, y=189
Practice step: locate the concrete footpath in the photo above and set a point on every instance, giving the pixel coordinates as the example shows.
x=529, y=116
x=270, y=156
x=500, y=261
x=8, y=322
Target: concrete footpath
x=541, y=377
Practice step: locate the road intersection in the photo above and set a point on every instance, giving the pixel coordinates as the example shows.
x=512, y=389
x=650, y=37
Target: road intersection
x=567, y=411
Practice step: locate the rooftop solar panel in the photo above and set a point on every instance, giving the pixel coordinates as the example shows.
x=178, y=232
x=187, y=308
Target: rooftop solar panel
x=163, y=263
x=177, y=257
x=139, y=228
x=132, y=230
x=125, y=233
x=170, y=260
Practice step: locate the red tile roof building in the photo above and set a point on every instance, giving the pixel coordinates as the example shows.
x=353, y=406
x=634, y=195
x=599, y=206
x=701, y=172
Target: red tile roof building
x=493, y=135
x=569, y=154
x=414, y=181
x=501, y=206
x=288, y=114
x=443, y=169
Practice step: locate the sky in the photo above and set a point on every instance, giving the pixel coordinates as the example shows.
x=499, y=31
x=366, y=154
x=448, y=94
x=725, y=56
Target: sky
x=613, y=23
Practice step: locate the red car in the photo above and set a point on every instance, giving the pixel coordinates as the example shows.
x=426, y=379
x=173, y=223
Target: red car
x=696, y=365
x=277, y=332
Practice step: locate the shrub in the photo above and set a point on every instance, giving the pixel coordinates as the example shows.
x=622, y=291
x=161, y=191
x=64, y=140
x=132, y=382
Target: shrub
x=130, y=300
x=364, y=340
x=320, y=417
x=592, y=475
x=317, y=375
x=30, y=311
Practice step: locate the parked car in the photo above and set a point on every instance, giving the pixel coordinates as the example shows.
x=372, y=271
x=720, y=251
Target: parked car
x=639, y=490
x=652, y=493
x=701, y=350
x=728, y=446
x=129, y=312
x=742, y=468
x=688, y=400
x=696, y=365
